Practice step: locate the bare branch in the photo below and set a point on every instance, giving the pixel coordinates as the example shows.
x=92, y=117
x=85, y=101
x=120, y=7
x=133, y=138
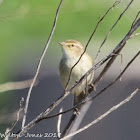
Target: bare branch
x=135, y=19
x=135, y=24
x=7, y=136
x=68, y=126
x=112, y=29
x=117, y=50
x=130, y=62
x=39, y=63
x=121, y=63
x=59, y=123
x=134, y=35
x=104, y=115
x=16, y=85
x=17, y=118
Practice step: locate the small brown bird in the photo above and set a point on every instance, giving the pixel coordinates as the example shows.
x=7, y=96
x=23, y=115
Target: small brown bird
x=72, y=51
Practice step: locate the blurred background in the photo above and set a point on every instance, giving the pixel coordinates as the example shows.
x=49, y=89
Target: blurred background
x=24, y=29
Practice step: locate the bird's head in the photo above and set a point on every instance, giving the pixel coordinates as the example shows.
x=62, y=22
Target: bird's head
x=72, y=48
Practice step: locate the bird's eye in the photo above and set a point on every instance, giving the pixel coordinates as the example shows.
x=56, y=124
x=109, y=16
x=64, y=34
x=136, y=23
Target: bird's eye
x=72, y=45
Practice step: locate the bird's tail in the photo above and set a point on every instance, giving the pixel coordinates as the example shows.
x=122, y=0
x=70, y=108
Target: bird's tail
x=77, y=99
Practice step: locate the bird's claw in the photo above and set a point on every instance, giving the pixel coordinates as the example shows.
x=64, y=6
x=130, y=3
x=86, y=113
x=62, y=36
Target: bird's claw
x=76, y=111
x=92, y=86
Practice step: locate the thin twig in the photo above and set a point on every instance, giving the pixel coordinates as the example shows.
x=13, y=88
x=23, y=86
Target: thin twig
x=16, y=85
x=39, y=64
x=66, y=93
x=69, y=124
x=121, y=63
x=17, y=118
x=135, y=19
x=59, y=123
x=122, y=43
x=134, y=35
x=104, y=115
x=130, y=62
x=113, y=58
x=7, y=136
x=112, y=29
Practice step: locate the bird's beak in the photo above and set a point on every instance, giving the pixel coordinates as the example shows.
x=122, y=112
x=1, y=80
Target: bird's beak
x=62, y=43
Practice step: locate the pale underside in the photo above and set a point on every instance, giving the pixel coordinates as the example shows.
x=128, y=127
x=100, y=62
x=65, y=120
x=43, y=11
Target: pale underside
x=79, y=70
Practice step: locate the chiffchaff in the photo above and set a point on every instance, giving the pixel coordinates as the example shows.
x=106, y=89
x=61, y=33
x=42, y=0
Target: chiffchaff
x=72, y=51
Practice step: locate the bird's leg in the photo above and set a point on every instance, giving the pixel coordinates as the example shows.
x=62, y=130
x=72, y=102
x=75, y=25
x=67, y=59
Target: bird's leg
x=77, y=100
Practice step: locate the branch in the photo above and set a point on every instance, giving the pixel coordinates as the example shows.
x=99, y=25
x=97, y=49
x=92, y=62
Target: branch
x=59, y=123
x=39, y=63
x=112, y=29
x=17, y=119
x=7, y=136
x=117, y=50
x=104, y=115
x=68, y=126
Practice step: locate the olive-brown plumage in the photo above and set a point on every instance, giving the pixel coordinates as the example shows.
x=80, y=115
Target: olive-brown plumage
x=72, y=51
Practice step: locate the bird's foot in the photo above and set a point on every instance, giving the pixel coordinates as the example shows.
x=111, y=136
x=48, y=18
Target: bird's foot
x=76, y=112
x=92, y=86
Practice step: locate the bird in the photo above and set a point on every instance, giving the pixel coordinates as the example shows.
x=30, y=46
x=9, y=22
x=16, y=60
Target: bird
x=71, y=52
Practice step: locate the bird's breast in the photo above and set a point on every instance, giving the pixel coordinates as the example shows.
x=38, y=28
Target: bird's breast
x=78, y=71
